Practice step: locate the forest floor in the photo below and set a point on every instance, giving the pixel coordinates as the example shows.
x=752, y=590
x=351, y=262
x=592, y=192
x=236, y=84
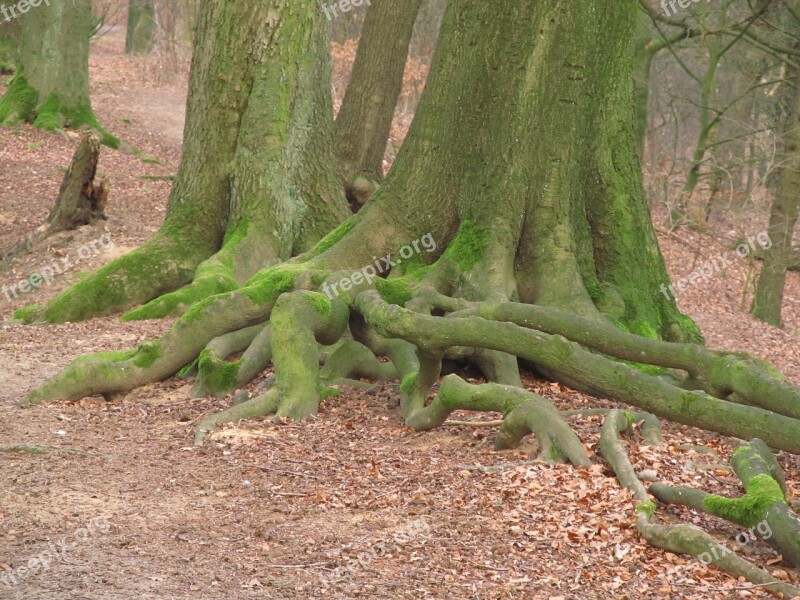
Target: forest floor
x=348, y=505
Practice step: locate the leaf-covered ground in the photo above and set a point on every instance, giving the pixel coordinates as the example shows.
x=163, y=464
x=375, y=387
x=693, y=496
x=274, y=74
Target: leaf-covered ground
x=349, y=505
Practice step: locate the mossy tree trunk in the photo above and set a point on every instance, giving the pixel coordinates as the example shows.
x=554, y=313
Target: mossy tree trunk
x=365, y=117
x=51, y=86
x=257, y=182
x=768, y=298
x=141, y=26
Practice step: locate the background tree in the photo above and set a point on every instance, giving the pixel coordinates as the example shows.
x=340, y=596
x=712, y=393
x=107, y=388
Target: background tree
x=141, y=26
x=365, y=117
x=51, y=86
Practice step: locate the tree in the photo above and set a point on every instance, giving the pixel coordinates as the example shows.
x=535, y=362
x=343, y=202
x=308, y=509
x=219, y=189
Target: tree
x=512, y=225
x=365, y=118
x=51, y=86
x=8, y=46
x=141, y=25
x=768, y=298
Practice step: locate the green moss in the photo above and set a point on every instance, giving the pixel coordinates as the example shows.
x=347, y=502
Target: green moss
x=326, y=392
x=147, y=354
x=49, y=116
x=631, y=418
x=218, y=376
x=319, y=301
x=647, y=507
x=396, y=291
x=19, y=102
x=189, y=370
x=178, y=302
x=468, y=246
x=266, y=285
x=333, y=237
x=29, y=314
x=748, y=510
x=409, y=383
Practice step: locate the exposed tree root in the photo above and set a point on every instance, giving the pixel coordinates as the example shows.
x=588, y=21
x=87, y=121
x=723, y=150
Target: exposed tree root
x=216, y=376
x=764, y=501
x=598, y=373
x=684, y=538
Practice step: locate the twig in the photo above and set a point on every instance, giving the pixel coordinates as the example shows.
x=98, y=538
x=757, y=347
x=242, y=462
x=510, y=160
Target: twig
x=44, y=449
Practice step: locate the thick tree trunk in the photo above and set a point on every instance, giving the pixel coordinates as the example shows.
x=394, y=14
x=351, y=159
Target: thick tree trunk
x=257, y=182
x=365, y=118
x=771, y=282
x=51, y=87
x=141, y=25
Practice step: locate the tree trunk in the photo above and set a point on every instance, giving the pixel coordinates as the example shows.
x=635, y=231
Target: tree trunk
x=51, y=87
x=9, y=39
x=771, y=282
x=141, y=25
x=365, y=118
x=257, y=182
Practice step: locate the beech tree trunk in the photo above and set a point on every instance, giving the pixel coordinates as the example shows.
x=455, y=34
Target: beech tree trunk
x=51, y=86
x=141, y=26
x=771, y=283
x=365, y=117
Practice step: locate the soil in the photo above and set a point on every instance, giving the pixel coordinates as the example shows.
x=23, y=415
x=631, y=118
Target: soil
x=347, y=505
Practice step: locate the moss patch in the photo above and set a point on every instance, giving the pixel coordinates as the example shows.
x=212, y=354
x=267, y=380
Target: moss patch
x=468, y=246
x=748, y=510
x=319, y=301
x=266, y=285
x=218, y=376
x=409, y=383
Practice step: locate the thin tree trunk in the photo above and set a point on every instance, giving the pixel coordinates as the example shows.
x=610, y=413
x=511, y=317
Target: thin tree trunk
x=365, y=118
x=771, y=282
x=141, y=25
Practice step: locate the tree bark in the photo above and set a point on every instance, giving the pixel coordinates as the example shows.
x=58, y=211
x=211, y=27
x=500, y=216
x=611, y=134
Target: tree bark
x=365, y=117
x=141, y=26
x=51, y=87
x=771, y=283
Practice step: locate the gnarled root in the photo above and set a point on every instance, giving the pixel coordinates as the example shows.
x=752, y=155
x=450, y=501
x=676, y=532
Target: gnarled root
x=299, y=321
x=764, y=501
x=684, y=538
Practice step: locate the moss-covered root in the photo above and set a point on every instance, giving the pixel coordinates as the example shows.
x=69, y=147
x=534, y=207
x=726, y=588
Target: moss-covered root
x=525, y=412
x=763, y=509
x=160, y=265
x=354, y=360
x=299, y=321
x=110, y=372
x=217, y=375
x=718, y=372
x=603, y=376
x=680, y=539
